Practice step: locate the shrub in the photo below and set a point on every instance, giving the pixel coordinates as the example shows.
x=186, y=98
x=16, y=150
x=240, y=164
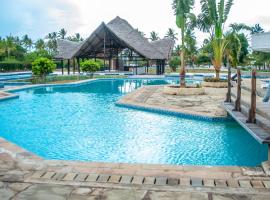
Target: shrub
x=16, y=66
x=214, y=80
x=42, y=67
x=174, y=63
x=90, y=66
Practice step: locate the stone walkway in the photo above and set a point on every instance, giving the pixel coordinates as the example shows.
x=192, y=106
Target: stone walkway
x=210, y=105
x=26, y=176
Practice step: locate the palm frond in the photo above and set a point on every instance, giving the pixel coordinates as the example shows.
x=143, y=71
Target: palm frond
x=227, y=10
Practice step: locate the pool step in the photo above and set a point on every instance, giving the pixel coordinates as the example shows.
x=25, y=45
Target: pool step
x=84, y=179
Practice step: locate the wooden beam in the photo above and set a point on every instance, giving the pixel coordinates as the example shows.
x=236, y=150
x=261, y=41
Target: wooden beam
x=237, y=106
x=252, y=110
x=62, y=66
x=73, y=65
x=79, y=67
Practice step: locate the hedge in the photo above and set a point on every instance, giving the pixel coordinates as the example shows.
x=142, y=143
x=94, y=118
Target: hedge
x=7, y=67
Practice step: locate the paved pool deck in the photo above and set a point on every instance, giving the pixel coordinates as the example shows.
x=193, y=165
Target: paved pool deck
x=24, y=175
x=209, y=105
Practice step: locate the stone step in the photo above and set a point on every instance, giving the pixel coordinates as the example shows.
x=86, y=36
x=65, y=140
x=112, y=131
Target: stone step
x=43, y=176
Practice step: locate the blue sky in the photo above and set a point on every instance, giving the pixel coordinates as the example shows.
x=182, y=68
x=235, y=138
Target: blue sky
x=39, y=17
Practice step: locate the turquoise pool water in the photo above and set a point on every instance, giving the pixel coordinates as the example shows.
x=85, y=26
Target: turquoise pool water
x=83, y=123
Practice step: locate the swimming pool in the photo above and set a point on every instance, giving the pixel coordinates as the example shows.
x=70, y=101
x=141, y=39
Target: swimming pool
x=83, y=123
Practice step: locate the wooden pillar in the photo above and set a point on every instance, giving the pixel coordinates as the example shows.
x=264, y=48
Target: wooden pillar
x=62, y=65
x=147, y=66
x=104, y=48
x=237, y=106
x=228, y=96
x=73, y=65
x=68, y=66
x=252, y=110
x=110, y=63
x=79, y=67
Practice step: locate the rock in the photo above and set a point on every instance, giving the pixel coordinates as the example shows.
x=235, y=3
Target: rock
x=6, y=194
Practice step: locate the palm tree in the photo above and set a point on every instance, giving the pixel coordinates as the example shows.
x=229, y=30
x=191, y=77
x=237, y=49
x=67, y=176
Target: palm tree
x=171, y=34
x=212, y=19
x=141, y=33
x=233, y=48
x=27, y=42
x=40, y=44
x=256, y=29
x=62, y=33
x=76, y=38
x=184, y=17
x=154, y=36
x=10, y=45
x=240, y=27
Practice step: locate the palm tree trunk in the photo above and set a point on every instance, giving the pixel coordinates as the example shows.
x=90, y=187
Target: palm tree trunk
x=182, y=55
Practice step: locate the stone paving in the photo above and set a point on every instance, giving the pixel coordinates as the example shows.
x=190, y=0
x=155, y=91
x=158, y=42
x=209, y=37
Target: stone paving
x=210, y=105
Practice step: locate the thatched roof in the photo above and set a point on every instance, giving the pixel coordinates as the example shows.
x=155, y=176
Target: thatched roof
x=66, y=48
x=119, y=34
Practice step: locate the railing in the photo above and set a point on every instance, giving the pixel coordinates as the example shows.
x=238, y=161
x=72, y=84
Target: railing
x=237, y=104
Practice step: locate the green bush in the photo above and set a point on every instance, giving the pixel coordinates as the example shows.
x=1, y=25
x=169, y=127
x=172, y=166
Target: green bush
x=90, y=66
x=174, y=63
x=16, y=66
x=42, y=67
x=214, y=80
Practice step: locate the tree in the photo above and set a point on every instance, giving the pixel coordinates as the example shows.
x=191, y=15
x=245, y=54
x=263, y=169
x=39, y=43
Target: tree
x=212, y=19
x=10, y=45
x=76, y=38
x=42, y=67
x=62, y=33
x=154, y=36
x=191, y=49
x=141, y=33
x=174, y=63
x=90, y=66
x=184, y=17
x=171, y=34
x=27, y=42
x=40, y=44
x=256, y=29
x=233, y=48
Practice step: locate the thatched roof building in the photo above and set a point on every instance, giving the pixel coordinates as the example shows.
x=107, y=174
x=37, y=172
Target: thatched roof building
x=261, y=42
x=108, y=40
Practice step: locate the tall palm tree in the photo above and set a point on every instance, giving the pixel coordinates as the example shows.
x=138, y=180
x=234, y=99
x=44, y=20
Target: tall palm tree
x=171, y=34
x=141, y=33
x=182, y=9
x=10, y=45
x=239, y=27
x=154, y=36
x=62, y=33
x=27, y=42
x=212, y=19
x=40, y=44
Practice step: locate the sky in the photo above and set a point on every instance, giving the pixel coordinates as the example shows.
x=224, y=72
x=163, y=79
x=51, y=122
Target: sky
x=39, y=17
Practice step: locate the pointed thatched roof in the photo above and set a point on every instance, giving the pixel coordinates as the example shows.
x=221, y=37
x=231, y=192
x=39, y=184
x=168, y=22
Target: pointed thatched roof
x=122, y=35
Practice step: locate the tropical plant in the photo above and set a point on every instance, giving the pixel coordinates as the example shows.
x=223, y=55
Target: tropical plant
x=174, y=63
x=76, y=38
x=42, y=67
x=256, y=29
x=190, y=49
x=154, y=36
x=171, y=34
x=10, y=45
x=184, y=17
x=212, y=19
x=40, y=44
x=233, y=48
x=141, y=33
x=62, y=33
x=90, y=66
x=27, y=42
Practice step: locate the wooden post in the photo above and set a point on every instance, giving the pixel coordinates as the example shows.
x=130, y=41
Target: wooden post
x=79, y=68
x=228, y=96
x=62, y=65
x=68, y=66
x=252, y=110
x=237, y=106
x=147, y=66
x=73, y=65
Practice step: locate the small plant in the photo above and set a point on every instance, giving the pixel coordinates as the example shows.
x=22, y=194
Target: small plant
x=42, y=67
x=90, y=66
x=174, y=63
x=214, y=80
